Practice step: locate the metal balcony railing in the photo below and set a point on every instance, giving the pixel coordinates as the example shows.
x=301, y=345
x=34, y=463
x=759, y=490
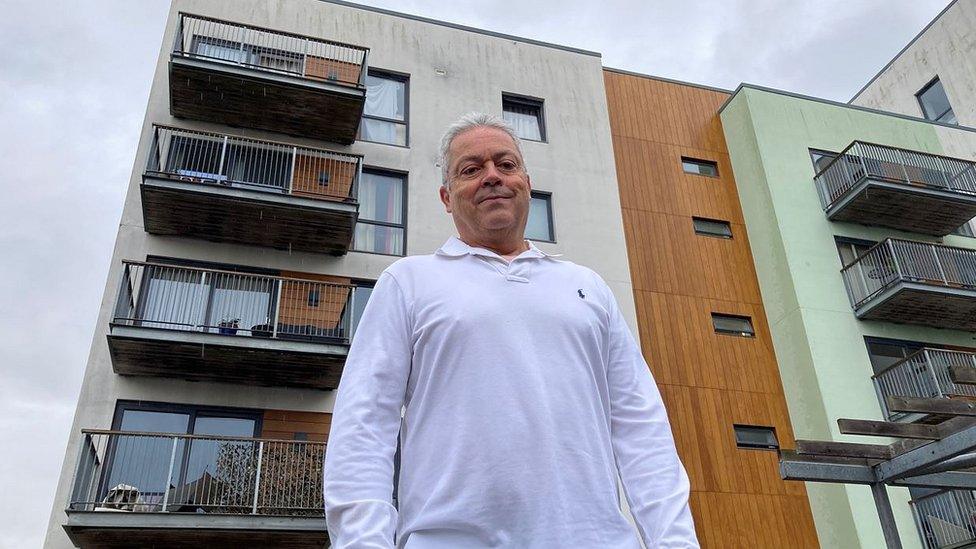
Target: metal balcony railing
x=860, y=161
x=169, y=297
x=213, y=158
x=892, y=261
x=270, y=50
x=946, y=519
x=155, y=473
x=924, y=374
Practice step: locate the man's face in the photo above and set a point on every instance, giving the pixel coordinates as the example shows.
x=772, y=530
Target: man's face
x=489, y=190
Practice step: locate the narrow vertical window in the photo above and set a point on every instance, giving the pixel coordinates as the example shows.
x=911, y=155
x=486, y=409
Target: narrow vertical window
x=385, y=111
x=525, y=115
x=539, y=226
x=382, y=225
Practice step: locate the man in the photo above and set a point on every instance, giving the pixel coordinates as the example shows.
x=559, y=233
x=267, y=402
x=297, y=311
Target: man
x=525, y=392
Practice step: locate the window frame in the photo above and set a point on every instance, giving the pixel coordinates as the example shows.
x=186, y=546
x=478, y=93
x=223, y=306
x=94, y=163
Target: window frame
x=921, y=105
x=547, y=195
x=733, y=333
x=747, y=446
x=698, y=232
x=529, y=101
x=405, y=177
x=400, y=77
x=852, y=242
x=822, y=152
x=700, y=162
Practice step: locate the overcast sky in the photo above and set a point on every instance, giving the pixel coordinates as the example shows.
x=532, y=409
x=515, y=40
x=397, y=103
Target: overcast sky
x=74, y=80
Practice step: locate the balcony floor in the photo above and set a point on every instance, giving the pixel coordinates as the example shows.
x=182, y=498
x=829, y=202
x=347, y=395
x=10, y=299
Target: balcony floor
x=111, y=530
x=214, y=91
x=195, y=356
x=923, y=304
x=916, y=209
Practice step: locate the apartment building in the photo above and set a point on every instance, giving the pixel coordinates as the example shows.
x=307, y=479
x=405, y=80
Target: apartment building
x=288, y=156
x=700, y=312
x=868, y=293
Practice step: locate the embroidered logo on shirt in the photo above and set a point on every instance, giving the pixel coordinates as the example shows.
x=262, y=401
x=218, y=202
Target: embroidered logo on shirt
x=581, y=294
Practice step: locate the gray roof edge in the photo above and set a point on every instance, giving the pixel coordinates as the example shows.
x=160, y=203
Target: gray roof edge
x=903, y=50
x=840, y=104
x=457, y=26
x=669, y=80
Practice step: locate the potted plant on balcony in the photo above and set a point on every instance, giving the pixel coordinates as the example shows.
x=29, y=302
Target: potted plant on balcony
x=228, y=326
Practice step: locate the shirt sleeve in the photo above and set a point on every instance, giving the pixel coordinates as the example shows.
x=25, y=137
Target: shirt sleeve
x=655, y=482
x=358, y=470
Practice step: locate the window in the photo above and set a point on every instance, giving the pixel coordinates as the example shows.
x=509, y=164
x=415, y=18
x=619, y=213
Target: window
x=385, y=112
x=699, y=167
x=751, y=436
x=935, y=104
x=850, y=249
x=354, y=310
x=885, y=352
x=381, y=224
x=712, y=227
x=144, y=461
x=966, y=229
x=525, y=115
x=733, y=325
x=821, y=159
x=539, y=226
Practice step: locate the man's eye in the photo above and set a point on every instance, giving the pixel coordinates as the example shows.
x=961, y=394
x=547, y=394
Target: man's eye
x=508, y=165
x=470, y=170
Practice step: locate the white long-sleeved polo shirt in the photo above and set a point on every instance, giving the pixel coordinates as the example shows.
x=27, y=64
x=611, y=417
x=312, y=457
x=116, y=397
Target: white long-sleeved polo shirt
x=524, y=392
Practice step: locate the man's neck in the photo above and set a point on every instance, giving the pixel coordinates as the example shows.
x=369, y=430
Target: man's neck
x=508, y=250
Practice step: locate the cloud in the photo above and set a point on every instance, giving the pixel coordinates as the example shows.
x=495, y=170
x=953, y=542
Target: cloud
x=75, y=84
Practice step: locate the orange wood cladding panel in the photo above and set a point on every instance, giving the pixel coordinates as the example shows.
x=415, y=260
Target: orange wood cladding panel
x=284, y=424
x=708, y=381
x=311, y=172
x=332, y=69
x=297, y=308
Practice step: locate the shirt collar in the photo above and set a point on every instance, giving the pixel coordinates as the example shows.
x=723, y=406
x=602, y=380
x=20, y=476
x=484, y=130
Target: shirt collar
x=455, y=247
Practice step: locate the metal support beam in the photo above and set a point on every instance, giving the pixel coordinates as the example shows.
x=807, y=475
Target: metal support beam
x=793, y=468
x=928, y=455
x=953, y=480
x=888, y=526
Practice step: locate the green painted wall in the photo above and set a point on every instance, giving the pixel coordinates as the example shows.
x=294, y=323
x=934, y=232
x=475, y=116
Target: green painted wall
x=819, y=343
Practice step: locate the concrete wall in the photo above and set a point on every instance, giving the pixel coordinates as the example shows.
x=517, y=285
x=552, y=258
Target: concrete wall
x=819, y=343
x=451, y=71
x=947, y=49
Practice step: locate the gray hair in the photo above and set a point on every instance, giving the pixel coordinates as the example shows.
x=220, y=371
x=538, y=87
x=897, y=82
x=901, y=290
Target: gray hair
x=468, y=122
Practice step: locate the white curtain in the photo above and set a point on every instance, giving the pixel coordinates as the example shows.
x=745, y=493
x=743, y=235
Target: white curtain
x=383, y=98
x=525, y=120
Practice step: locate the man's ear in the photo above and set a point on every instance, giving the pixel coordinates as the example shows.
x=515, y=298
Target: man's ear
x=528, y=181
x=446, y=198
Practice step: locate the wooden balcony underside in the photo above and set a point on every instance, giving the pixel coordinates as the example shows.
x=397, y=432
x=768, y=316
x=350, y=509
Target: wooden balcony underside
x=925, y=305
x=240, y=216
x=904, y=207
x=178, y=531
x=195, y=356
x=251, y=98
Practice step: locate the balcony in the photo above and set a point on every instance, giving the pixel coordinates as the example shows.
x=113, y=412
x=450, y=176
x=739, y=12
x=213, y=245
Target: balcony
x=923, y=374
x=899, y=189
x=946, y=519
x=212, y=325
x=251, y=77
x=165, y=490
x=244, y=191
x=912, y=282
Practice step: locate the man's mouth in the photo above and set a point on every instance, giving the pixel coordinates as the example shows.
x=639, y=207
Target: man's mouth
x=496, y=197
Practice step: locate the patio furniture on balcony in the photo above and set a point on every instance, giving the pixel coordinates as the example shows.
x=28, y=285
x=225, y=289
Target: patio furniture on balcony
x=291, y=332
x=898, y=188
x=246, y=76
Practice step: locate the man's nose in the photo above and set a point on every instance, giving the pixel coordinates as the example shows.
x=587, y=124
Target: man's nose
x=492, y=175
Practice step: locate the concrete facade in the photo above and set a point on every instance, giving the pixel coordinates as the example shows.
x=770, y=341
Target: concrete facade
x=819, y=343
x=945, y=49
x=451, y=71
